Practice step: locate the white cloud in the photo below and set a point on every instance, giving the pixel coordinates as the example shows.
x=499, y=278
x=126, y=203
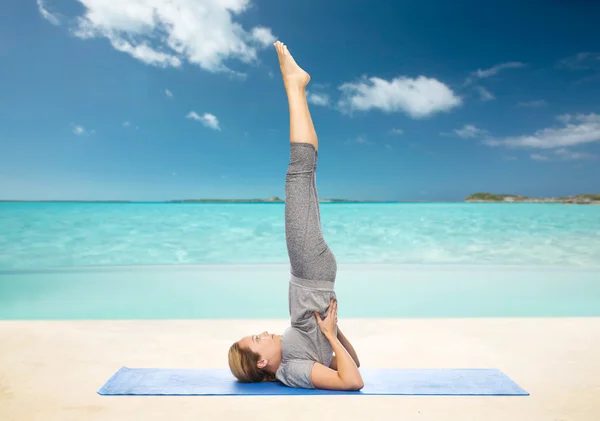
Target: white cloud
x=126, y=124
x=567, y=155
x=586, y=62
x=317, y=98
x=581, y=61
x=539, y=157
x=165, y=33
x=263, y=35
x=485, y=73
x=358, y=139
x=563, y=154
x=209, y=120
x=533, y=104
x=397, y=131
x=484, y=94
x=578, y=129
x=564, y=118
x=50, y=17
x=420, y=97
x=168, y=93
x=144, y=52
x=470, y=131
x=79, y=130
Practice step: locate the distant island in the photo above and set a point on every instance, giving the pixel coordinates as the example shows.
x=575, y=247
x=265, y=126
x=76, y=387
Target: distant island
x=580, y=199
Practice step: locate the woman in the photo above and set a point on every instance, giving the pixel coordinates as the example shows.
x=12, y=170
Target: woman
x=303, y=355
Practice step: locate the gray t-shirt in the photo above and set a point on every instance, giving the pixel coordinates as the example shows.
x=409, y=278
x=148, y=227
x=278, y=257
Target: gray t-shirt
x=303, y=342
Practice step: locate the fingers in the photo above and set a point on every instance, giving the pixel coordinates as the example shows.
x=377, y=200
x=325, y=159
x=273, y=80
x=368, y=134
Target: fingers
x=335, y=310
x=332, y=311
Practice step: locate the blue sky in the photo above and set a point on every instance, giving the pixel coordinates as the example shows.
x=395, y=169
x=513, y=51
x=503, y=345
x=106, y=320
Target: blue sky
x=430, y=100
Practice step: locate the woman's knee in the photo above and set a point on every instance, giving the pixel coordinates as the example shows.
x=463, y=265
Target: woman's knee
x=318, y=266
x=303, y=158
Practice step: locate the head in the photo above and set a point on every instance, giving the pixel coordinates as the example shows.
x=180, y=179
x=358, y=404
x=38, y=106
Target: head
x=255, y=358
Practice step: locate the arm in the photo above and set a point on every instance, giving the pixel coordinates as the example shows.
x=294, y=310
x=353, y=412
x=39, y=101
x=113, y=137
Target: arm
x=347, y=376
x=348, y=346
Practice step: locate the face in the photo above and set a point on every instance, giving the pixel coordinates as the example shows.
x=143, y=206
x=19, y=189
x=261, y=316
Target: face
x=267, y=345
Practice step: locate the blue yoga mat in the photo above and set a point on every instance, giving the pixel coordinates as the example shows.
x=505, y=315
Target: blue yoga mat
x=163, y=381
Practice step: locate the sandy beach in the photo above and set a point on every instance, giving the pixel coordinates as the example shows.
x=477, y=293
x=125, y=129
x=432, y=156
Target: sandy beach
x=51, y=370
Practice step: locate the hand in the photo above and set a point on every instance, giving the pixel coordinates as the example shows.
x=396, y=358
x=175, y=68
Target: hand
x=328, y=324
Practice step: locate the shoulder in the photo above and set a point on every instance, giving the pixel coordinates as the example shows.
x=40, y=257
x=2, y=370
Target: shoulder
x=296, y=373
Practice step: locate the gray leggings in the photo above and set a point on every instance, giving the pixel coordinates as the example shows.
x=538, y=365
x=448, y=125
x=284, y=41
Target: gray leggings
x=310, y=256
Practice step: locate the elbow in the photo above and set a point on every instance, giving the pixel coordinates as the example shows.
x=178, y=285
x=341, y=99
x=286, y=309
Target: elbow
x=355, y=387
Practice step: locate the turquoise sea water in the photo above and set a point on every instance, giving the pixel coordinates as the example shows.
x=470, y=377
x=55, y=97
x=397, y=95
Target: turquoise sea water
x=260, y=291
x=35, y=235
x=148, y=260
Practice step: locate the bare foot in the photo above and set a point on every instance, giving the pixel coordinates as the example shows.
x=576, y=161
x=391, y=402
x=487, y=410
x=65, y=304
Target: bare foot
x=293, y=75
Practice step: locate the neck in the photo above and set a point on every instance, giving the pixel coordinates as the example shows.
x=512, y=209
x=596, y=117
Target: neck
x=273, y=365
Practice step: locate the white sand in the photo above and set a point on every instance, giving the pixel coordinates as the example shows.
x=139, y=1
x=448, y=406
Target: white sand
x=51, y=370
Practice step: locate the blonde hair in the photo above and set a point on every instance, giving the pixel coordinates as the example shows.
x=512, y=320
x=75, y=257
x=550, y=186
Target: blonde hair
x=243, y=364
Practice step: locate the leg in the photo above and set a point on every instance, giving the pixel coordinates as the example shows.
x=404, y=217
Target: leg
x=310, y=256
x=295, y=80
